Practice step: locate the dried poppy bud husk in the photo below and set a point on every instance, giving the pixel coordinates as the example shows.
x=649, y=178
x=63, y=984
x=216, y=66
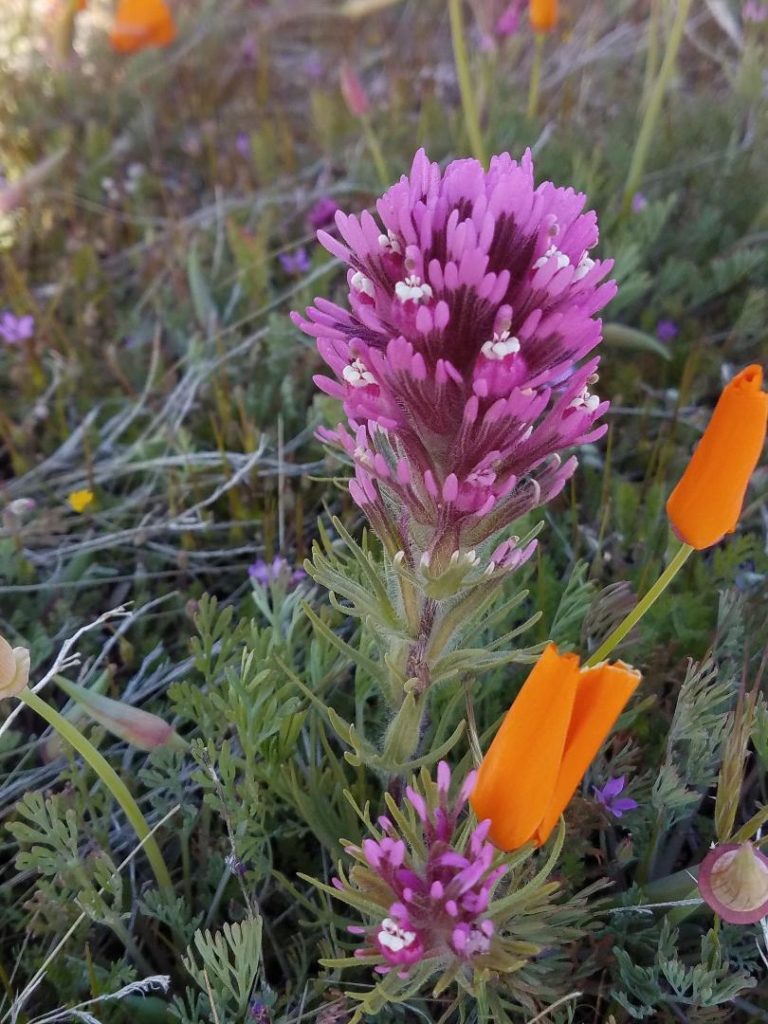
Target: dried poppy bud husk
x=733, y=880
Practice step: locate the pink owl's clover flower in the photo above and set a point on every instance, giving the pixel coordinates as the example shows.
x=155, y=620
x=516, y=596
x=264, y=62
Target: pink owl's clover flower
x=435, y=901
x=464, y=357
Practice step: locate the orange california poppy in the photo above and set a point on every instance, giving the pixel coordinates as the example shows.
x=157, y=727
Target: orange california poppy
x=706, y=504
x=142, y=23
x=543, y=15
x=545, y=744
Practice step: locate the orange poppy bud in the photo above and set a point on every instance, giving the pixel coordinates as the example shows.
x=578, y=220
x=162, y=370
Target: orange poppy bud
x=142, y=23
x=545, y=744
x=543, y=15
x=706, y=504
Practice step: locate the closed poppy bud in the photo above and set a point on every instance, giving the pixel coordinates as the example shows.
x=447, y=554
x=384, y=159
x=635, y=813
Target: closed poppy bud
x=707, y=502
x=140, y=728
x=545, y=744
x=733, y=880
x=543, y=15
x=142, y=23
x=14, y=669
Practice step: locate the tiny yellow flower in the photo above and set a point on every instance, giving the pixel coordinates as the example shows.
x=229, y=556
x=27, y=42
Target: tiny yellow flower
x=80, y=500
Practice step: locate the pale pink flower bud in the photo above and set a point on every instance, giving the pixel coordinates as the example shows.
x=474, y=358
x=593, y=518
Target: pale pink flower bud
x=353, y=91
x=137, y=727
x=14, y=669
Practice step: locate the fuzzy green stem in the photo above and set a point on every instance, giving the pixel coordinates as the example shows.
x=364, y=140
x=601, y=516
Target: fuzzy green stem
x=642, y=606
x=377, y=154
x=468, y=99
x=109, y=777
x=653, y=106
x=534, y=85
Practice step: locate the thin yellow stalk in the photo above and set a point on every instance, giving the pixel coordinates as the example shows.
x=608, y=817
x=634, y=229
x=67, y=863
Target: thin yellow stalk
x=534, y=86
x=661, y=584
x=468, y=99
x=653, y=106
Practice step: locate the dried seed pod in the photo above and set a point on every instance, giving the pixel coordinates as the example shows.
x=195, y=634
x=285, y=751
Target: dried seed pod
x=733, y=880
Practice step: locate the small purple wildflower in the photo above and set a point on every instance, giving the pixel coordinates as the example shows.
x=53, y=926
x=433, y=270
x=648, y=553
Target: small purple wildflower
x=259, y=1012
x=639, y=202
x=322, y=213
x=314, y=67
x=508, y=23
x=14, y=329
x=472, y=304
x=754, y=11
x=243, y=145
x=608, y=797
x=264, y=573
x=667, y=330
x=433, y=904
x=295, y=263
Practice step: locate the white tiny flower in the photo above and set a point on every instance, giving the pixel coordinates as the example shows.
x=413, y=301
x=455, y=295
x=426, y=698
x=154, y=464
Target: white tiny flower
x=583, y=268
x=357, y=375
x=501, y=346
x=390, y=243
x=552, y=253
x=413, y=289
x=585, y=400
x=363, y=284
x=394, y=938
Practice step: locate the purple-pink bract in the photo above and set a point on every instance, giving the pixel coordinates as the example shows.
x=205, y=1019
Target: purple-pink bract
x=460, y=359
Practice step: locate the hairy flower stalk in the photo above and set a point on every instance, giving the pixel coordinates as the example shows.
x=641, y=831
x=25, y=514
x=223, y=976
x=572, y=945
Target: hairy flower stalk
x=465, y=364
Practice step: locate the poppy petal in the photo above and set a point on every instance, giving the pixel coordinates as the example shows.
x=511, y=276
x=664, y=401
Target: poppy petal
x=600, y=698
x=517, y=777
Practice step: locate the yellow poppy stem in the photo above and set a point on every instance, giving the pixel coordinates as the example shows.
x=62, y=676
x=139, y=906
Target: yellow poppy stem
x=468, y=100
x=109, y=777
x=534, y=85
x=642, y=606
x=655, y=98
